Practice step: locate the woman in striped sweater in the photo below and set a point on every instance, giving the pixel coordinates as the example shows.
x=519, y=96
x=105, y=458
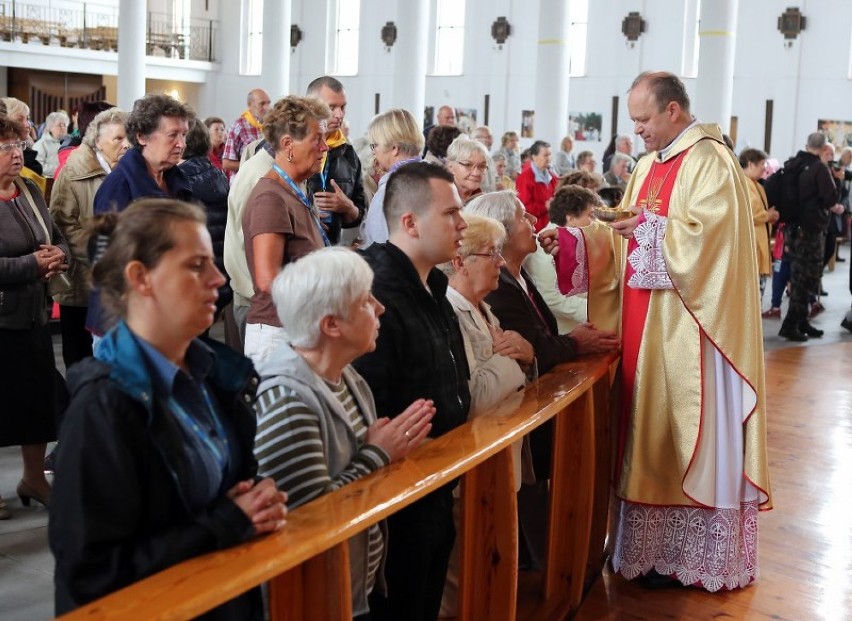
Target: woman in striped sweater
x=317, y=427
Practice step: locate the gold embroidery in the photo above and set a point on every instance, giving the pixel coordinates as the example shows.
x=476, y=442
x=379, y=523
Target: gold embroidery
x=651, y=202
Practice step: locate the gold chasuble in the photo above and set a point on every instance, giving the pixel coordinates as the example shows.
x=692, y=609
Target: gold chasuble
x=693, y=469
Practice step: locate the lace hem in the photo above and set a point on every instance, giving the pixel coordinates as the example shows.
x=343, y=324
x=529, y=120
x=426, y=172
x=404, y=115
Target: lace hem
x=649, y=266
x=710, y=548
x=580, y=276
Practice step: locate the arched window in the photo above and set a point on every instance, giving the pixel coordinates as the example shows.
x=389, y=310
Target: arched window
x=344, y=30
x=251, y=40
x=449, y=37
x=691, y=19
x=577, y=37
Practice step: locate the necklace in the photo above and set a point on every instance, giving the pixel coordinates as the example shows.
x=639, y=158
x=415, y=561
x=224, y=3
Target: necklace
x=651, y=201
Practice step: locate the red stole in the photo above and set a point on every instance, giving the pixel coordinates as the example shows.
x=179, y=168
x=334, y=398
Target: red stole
x=654, y=195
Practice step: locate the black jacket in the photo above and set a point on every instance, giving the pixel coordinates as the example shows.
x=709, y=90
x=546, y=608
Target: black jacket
x=118, y=511
x=512, y=306
x=817, y=191
x=23, y=294
x=344, y=167
x=209, y=186
x=420, y=349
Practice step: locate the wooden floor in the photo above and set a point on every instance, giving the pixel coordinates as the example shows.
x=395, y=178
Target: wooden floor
x=805, y=543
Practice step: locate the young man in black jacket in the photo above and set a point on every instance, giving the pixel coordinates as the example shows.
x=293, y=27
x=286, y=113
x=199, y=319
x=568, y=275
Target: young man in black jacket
x=419, y=353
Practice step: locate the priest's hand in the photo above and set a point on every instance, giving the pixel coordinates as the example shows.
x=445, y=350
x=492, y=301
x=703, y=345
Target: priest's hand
x=549, y=241
x=625, y=227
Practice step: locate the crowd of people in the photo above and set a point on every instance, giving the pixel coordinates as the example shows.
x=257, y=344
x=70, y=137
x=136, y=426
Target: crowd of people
x=375, y=293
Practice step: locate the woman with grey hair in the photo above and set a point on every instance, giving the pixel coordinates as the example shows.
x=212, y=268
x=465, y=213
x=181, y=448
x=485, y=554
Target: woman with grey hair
x=468, y=160
x=396, y=140
x=71, y=201
x=317, y=428
x=47, y=147
x=156, y=128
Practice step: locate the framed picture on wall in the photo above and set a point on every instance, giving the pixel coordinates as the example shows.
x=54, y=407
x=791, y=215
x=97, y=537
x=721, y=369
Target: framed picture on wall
x=428, y=116
x=585, y=126
x=527, y=123
x=466, y=119
x=838, y=132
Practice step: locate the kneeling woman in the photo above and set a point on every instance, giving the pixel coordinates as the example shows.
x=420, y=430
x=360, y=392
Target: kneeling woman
x=155, y=461
x=317, y=427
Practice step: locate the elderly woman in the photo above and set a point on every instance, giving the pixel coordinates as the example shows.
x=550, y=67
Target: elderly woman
x=496, y=358
x=17, y=110
x=396, y=140
x=279, y=223
x=32, y=251
x=563, y=160
x=467, y=159
x=209, y=185
x=104, y=143
x=47, y=147
x=439, y=140
x=510, y=149
x=317, y=426
x=619, y=170
x=156, y=128
x=537, y=183
x=155, y=459
x=502, y=181
x=517, y=303
x=519, y=306
x=218, y=132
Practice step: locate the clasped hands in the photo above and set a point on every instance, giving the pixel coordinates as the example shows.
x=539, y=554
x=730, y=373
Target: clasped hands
x=50, y=260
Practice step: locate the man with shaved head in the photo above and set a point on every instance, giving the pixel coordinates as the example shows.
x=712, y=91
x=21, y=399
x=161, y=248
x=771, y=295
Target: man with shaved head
x=245, y=129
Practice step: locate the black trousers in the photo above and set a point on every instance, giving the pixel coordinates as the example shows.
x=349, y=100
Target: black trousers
x=76, y=340
x=420, y=539
x=806, y=252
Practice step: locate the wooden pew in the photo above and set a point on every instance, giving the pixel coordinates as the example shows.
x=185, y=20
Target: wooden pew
x=306, y=563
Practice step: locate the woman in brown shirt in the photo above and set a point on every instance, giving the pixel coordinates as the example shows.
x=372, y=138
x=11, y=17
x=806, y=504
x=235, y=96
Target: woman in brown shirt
x=279, y=223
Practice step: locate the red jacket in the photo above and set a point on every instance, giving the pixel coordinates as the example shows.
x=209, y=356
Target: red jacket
x=534, y=195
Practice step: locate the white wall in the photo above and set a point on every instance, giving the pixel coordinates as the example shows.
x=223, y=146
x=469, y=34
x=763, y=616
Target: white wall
x=807, y=81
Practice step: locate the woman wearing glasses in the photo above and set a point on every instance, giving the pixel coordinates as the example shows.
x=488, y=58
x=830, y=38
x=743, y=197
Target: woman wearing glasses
x=32, y=251
x=497, y=358
x=468, y=161
x=396, y=140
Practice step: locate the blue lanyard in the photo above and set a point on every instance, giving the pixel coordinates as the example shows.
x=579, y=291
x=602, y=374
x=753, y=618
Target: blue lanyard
x=324, y=174
x=304, y=200
x=222, y=453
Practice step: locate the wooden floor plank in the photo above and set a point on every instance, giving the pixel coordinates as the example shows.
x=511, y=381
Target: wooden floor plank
x=805, y=545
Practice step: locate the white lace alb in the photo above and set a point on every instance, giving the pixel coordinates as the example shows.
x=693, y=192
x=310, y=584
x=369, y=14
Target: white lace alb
x=711, y=548
x=647, y=258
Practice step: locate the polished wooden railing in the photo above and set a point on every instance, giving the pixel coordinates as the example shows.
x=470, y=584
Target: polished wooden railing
x=306, y=564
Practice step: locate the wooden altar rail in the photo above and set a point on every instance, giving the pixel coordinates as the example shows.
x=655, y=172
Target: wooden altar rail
x=307, y=565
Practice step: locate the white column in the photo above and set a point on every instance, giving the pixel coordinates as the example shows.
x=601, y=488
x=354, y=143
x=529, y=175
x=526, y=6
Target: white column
x=410, y=57
x=132, y=23
x=717, y=34
x=551, y=89
x=275, y=66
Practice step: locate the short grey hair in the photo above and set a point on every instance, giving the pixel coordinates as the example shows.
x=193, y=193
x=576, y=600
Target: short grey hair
x=816, y=140
x=463, y=147
x=113, y=116
x=51, y=119
x=502, y=206
x=328, y=281
x=619, y=157
x=622, y=138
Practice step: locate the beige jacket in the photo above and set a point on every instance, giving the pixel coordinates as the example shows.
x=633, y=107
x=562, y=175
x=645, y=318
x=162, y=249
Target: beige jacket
x=71, y=208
